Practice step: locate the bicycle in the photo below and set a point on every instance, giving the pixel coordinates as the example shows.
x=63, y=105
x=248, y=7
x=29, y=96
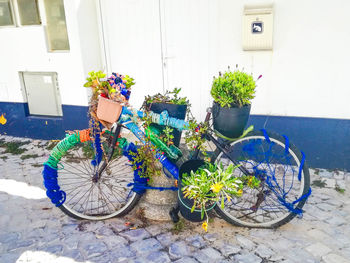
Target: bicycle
x=278, y=164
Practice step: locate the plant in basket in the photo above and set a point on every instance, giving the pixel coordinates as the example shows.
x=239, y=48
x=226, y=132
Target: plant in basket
x=175, y=105
x=232, y=92
x=210, y=184
x=108, y=95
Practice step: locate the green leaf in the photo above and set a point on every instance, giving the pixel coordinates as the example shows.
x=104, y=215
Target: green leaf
x=202, y=213
x=222, y=203
x=193, y=207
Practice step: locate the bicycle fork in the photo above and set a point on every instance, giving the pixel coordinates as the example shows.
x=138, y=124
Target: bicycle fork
x=115, y=133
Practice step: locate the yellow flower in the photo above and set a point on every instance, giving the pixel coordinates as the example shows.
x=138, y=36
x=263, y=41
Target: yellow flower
x=216, y=187
x=3, y=119
x=228, y=197
x=205, y=226
x=240, y=192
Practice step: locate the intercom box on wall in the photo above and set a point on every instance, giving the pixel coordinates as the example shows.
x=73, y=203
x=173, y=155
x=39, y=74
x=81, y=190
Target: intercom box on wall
x=257, y=31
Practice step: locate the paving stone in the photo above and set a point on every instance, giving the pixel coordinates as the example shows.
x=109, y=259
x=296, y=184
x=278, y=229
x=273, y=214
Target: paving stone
x=134, y=235
x=333, y=258
x=247, y=258
x=341, y=184
x=72, y=241
x=245, y=242
x=336, y=221
x=114, y=241
x=261, y=233
x=210, y=237
x=166, y=239
x=318, y=234
x=343, y=240
x=196, y=241
x=318, y=250
x=20, y=244
x=55, y=249
x=118, y=225
x=9, y=257
x=74, y=254
x=94, y=249
x=300, y=255
x=208, y=255
x=228, y=249
x=105, y=231
x=154, y=230
x=178, y=250
x=122, y=252
x=186, y=260
x=325, y=174
x=9, y=238
x=158, y=257
x=325, y=207
x=146, y=245
x=276, y=257
x=330, y=183
x=264, y=252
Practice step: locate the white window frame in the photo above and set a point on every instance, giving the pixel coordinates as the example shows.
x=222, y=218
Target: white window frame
x=16, y=16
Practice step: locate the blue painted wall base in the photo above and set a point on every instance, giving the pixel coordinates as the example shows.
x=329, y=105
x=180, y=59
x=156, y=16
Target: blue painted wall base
x=21, y=124
x=325, y=142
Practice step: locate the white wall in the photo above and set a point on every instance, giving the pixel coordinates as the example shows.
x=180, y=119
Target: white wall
x=304, y=75
x=24, y=49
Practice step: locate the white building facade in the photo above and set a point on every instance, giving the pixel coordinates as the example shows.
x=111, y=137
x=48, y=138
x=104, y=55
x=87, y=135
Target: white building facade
x=164, y=44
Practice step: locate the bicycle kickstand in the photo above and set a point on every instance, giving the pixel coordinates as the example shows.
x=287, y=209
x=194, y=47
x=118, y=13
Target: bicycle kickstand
x=174, y=214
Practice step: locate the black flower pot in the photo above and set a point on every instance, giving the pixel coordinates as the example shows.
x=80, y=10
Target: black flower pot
x=175, y=111
x=230, y=122
x=186, y=204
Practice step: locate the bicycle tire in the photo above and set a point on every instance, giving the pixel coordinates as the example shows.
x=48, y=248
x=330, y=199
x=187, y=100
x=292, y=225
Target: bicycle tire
x=270, y=159
x=107, y=198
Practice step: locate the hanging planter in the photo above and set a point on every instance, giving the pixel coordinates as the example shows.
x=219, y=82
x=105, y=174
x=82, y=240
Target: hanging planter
x=232, y=92
x=230, y=122
x=171, y=102
x=175, y=111
x=108, y=110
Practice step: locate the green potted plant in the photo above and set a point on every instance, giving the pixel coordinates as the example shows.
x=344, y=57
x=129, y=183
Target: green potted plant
x=202, y=185
x=175, y=105
x=232, y=92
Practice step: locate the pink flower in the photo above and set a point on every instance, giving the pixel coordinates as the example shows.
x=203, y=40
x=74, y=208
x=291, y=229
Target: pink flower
x=259, y=77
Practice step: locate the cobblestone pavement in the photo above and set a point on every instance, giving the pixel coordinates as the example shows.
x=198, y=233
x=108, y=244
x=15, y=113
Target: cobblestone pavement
x=33, y=230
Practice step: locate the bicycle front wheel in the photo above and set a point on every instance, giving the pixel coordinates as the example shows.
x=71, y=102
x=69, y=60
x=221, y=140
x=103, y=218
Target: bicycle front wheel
x=91, y=198
x=283, y=175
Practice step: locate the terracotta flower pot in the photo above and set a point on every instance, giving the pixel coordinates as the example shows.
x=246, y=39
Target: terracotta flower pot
x=108, y=110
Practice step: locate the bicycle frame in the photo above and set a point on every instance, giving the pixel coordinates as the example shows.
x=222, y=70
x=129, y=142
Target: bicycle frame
x=126, y=121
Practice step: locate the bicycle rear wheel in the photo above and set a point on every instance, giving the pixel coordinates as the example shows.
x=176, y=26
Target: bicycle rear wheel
x=91, y=199
x=284, y=181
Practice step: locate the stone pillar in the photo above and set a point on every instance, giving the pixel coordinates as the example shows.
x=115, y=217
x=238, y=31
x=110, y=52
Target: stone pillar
x=157, y=204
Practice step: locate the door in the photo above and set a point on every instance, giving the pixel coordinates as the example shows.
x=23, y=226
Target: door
x=131, y=31
x=186, y=33
x=163, y=44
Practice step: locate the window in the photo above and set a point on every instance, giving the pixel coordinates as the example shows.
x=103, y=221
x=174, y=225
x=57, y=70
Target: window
x=28, y=12
x=6, y=17
x=42, y=93
x=56, y=28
